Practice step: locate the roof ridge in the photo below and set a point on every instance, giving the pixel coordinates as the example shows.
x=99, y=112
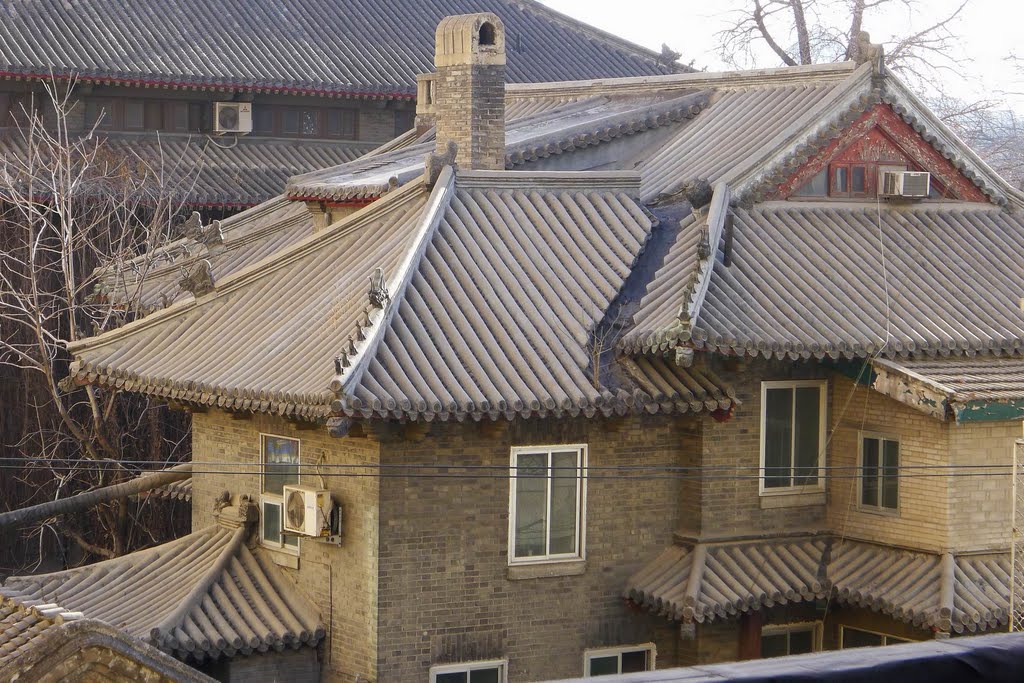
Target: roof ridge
x=353, y=362
x=259, y=269
x=787, y=75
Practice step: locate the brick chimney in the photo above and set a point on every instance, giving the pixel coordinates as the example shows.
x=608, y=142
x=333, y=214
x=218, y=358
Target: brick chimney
x=467, y=95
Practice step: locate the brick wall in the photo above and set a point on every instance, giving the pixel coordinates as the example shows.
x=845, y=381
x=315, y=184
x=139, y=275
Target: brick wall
x=471, y=112
x=445, y=589
x=730, y=503
x=922, y=520
x=980, y=507
x=376, y=124
x=340, y=580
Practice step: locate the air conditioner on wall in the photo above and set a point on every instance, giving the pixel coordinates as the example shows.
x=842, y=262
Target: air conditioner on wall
x=307, y=511
x=232, y=117
x=908, y=184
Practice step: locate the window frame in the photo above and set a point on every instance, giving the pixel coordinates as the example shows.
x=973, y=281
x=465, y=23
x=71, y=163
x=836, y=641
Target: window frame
x=581, y=503
x=817, y=629
x=467, y=667
x=274, y=499
x=885, y=637
x=881, y=437
x=848, y=166
x=822, y=385
x=598, y=652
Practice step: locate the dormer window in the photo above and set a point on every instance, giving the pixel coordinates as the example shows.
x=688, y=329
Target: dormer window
x=849, y=180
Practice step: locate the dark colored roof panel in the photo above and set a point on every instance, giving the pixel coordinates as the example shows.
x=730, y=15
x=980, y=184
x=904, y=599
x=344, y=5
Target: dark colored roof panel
x=317, y=46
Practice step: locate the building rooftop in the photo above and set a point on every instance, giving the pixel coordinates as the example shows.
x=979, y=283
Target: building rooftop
x=355, y=48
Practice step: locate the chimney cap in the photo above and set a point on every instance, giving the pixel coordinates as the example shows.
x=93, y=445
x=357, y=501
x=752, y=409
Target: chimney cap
x=470, y=39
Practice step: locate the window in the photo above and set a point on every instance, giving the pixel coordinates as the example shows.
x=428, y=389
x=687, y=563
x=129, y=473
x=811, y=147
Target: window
x=134, y=115
x=341, y=123
x=263, y=120
x=855, y=637
x=100, y=113
x=300, y=121
x=879, y=477
x=547, y=503
x=792, y=435
x=474, y=672
x=622, y=660
x=849, y=180
x=790, y=639
x=280, y=458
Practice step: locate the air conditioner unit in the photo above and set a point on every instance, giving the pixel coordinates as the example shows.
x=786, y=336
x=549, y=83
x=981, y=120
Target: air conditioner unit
x=910, y=184
x=232, y=117
x=307, y=511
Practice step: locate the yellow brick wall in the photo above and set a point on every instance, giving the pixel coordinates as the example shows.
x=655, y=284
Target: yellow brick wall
x=340, y=580
x=980, y=505
x=923, y=517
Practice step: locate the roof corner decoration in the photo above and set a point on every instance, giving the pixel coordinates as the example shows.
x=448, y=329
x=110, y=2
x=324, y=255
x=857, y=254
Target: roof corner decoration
x=360, y=347
x=434, y=163
x=197, y=280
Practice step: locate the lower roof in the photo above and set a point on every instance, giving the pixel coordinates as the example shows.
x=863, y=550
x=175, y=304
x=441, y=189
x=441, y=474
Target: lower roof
x=710, y=581
x=977, y=388
x=206, y=172
x=202, y=596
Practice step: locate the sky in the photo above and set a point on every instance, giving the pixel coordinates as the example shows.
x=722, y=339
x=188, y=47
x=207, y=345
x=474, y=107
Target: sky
x=986, y=29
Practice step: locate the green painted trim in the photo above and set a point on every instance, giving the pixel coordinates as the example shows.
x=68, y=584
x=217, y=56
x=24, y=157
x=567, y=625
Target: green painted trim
x=989, y=411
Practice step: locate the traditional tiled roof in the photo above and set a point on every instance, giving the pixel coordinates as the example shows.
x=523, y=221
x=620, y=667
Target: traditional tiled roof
x=203, y=172
x=750, y=129
x=20, y=626
x=972, y=388
x=502, y=280
x=153, y=281
x=716, y=581
x=357, y=47
x=41, y=642
x=711, y=581
x=926, y=280
x=205, y=595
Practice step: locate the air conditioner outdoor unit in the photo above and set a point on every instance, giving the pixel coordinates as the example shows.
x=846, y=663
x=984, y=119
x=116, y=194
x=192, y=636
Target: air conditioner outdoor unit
x=232, y=117
x=307, y=511
x=910, y=184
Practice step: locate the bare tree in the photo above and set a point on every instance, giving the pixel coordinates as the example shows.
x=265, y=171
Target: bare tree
x=815, y=31
x=69, y=204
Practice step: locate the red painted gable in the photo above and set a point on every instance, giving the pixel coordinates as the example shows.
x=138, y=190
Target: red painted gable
x=881, y=136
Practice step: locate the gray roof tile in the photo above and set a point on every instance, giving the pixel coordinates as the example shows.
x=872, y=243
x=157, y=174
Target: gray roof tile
x=204, y=595
x=204, y=173
x=496, y=283
x=711, y=581
x=312, y=46
x=951, y=284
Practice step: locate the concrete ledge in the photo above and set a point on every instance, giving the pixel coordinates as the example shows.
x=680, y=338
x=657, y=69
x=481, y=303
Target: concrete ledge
x=546, y=570
x=283, y=559
x=792, y=500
